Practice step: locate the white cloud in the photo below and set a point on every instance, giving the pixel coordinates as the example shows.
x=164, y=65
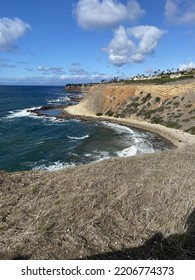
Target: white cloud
x=10, y=31
x=55, y=80
x=51, y=70
x=120, y=48
x=106, y=13
x=180, y=11
x=85, y=78
x=191, y=64
x=123, y=48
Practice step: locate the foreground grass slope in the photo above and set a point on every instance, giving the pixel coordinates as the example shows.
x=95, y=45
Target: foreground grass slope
x=132, y=208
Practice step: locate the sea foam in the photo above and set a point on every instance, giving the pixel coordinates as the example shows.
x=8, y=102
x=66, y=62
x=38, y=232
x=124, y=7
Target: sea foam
x=59, y=100
x=53, y=167
x=22, y=113
x=78, y=138
x=131, y=151
x=118, y=128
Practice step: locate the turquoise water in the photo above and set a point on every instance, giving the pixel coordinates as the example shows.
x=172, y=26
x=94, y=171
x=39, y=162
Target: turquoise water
x=29, y=142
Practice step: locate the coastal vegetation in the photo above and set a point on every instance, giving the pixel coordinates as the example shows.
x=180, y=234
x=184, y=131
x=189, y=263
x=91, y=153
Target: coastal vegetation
x=160, y=77
x=157, y=77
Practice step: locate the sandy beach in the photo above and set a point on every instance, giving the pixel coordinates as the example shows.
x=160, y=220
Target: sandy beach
x=177, y=137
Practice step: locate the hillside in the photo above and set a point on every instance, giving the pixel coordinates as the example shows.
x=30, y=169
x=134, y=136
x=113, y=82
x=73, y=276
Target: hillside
x=171, y=105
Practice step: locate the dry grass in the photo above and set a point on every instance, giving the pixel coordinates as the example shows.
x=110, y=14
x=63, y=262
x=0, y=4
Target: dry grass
x=132, y=208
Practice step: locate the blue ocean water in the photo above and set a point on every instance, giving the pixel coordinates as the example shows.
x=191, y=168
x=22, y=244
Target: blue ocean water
x=31, y=142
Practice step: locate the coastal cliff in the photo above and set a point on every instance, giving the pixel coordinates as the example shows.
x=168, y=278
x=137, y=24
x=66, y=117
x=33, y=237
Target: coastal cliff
x=171, y=105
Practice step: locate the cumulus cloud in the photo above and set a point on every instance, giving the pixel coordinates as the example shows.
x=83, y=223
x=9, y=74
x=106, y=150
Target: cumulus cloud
x=180, y=11
x=106, y=13
x=10, y=31
x=124, y=49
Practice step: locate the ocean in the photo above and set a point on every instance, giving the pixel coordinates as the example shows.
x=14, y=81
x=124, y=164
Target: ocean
x=31, y=142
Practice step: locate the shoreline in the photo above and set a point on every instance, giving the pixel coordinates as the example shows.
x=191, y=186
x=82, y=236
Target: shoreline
x=177, y=137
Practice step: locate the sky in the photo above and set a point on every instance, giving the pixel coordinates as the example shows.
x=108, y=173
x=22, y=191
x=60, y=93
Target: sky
x=58, y=42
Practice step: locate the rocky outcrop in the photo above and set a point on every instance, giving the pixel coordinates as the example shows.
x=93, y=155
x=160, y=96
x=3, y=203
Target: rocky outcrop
x=171, y=105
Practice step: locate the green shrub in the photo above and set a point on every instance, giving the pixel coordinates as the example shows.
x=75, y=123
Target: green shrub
x=109, y=113
x=160, y=109
x=157, y=120
x=188, y=106
x=191, y=130
x=173, y=124
x=157, y=99
x=145, y=98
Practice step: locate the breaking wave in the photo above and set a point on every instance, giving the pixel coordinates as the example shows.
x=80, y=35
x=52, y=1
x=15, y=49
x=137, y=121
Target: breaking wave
x=53, y=167
x=59, y=100
x=78, y=138
x=22, y=113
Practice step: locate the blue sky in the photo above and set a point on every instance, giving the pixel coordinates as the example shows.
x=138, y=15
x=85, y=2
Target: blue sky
x=63, y=41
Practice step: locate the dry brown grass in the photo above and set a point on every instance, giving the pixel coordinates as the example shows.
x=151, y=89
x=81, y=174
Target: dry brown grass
x=132, y=208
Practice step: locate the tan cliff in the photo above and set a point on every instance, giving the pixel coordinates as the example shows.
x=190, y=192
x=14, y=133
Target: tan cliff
x=171, y=105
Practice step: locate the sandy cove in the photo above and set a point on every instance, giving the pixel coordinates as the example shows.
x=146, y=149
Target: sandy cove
x=177, y=137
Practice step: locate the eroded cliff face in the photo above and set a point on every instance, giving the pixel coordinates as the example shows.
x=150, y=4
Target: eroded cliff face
x=170, y=105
